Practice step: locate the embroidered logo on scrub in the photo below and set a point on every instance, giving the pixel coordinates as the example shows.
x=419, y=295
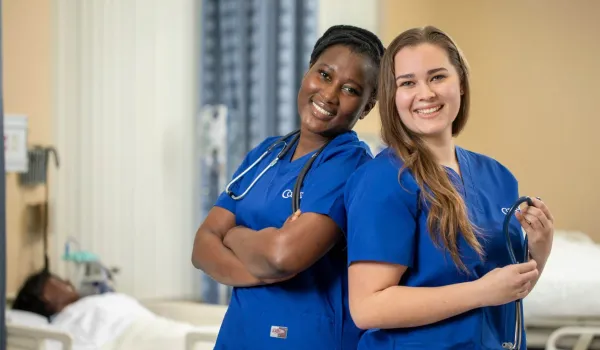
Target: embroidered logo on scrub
x=279, y=332
x=506, y=210
x=288, y=194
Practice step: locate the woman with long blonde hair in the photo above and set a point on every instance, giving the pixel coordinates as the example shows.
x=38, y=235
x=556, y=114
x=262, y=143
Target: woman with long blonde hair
x=428, y=264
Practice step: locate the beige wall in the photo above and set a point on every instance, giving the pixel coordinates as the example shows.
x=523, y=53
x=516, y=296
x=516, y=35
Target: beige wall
x=535, y=80
x=26, y=30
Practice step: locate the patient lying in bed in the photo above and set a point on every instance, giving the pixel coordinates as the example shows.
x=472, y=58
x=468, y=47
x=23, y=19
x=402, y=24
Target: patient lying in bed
x=107, y=321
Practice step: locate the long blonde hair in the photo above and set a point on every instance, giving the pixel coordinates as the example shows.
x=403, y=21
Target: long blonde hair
x=448, y=215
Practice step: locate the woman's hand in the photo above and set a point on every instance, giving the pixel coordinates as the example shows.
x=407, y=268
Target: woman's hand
x=293, y=217
x=231, y=232
x=504, y=285
x=538, y=223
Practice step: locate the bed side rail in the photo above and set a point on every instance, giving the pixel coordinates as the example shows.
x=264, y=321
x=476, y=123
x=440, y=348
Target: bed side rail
x=29, y=338
x=584, y=336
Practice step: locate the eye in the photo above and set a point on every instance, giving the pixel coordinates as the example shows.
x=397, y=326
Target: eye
x=438, y=77
x=324, y=75
x=407, y=83
x=351, y=90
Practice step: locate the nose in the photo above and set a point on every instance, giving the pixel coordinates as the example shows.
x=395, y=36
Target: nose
x=329, y=93
x=425, y=92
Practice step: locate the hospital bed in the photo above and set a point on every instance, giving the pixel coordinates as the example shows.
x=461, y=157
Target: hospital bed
x=30, y=332
x=563, y=310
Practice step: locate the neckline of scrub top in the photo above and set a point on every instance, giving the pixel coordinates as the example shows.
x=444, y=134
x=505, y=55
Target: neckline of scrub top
x=302, y=160
x=466, y=177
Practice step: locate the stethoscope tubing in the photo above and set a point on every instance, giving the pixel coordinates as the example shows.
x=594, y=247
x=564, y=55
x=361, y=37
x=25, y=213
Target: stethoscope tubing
x=516, y=344
x=287, y=146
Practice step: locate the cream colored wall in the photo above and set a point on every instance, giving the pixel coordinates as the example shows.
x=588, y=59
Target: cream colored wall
x=27, y=90
x=535, y=88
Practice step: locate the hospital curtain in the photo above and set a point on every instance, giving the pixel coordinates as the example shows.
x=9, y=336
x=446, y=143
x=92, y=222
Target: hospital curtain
x=254, y=54
x=125, y=107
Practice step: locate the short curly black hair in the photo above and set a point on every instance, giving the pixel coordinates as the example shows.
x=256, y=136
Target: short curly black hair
x=30, y=298
x=357, y=39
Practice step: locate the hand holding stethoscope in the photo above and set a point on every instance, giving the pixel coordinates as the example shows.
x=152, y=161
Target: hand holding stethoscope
x=538, y=223
x=512, y=283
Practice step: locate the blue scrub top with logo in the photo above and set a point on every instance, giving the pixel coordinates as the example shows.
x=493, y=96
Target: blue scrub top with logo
x=309, y=311
x=387, y=224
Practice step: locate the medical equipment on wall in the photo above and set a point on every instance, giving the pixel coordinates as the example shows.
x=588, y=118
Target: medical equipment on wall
x=37, y=174
x=38, y=158
x=516, y=344
x=90, y=276
x=286, y=144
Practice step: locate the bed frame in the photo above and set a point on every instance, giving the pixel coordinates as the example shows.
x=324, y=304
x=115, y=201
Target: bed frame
x=577, y=333
x=548, y=335
x=584, y=338
x=29, y=338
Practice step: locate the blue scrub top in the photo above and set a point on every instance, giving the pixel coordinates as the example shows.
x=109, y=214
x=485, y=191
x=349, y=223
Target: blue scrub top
x=387, y=224
x=313, y=305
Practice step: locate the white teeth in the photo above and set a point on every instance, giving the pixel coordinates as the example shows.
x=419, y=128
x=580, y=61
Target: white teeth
x=429, y=110
x=322, y=110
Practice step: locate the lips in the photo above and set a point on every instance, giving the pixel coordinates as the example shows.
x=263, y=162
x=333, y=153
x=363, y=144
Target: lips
x=429, y=110
x=321, y=110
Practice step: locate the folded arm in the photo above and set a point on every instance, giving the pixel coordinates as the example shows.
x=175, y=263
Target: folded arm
x=377, y=301
x=284, y=252
x=211, y=256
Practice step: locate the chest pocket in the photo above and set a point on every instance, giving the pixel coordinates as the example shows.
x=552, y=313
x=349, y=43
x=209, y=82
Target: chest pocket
x=269, y=202
x=491, y=222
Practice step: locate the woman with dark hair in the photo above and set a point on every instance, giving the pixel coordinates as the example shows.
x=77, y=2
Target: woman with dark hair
x=45, y=294
x=289, y=269
x=99, y=321
x=428, y=264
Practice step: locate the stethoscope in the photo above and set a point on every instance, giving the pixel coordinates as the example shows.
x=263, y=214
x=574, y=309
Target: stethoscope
x=516, y=344
x=282, y=141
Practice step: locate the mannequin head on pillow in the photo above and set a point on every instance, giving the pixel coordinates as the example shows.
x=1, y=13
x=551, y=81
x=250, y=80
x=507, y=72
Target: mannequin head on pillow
x=45, y=294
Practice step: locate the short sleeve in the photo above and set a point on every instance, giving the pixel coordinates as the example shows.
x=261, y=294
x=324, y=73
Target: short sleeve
x=224, y=200
x=324, y=191
x=381, y=217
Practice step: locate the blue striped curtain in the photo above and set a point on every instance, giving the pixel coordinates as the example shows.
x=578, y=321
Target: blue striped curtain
x=254, y=54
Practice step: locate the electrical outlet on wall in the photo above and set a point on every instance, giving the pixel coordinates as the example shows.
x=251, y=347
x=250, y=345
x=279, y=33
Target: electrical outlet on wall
x=15, y=143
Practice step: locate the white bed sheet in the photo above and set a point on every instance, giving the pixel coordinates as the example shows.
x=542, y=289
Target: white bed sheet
x=99, y=319
x=570, y=283
x=113, y=322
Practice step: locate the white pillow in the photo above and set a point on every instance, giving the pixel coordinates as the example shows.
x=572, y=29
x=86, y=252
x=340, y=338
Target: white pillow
x=25, y=318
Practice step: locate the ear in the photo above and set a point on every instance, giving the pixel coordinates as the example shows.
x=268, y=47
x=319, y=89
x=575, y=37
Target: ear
x=368, y=108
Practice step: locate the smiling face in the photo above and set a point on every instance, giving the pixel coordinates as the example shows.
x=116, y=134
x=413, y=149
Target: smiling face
x=336, y=91
x=428, y=93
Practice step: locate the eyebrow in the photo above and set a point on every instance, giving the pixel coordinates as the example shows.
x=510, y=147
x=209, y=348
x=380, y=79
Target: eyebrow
x=429, y=72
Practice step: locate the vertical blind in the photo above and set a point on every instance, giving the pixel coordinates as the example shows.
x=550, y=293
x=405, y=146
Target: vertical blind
x=126, y=100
